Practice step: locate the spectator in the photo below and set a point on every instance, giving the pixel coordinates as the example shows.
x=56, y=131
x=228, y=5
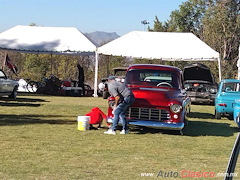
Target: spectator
x=123, y=99
x=81, y=78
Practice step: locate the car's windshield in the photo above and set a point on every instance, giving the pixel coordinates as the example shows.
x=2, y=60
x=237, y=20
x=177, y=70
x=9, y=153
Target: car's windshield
x=151, y=77
x=231, y=87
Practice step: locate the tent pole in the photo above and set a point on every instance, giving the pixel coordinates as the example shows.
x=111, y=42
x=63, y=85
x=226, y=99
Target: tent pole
x=238, y=64
x=219, y=70
x=4, y=61
x=96, y=75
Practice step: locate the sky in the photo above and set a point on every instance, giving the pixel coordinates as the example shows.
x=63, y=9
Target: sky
x=120, y=16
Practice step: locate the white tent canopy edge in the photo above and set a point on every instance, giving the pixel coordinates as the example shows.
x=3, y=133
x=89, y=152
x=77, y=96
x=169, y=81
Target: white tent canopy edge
x=46, y=40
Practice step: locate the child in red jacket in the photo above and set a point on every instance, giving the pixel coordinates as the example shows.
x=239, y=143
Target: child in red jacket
x=96, y=117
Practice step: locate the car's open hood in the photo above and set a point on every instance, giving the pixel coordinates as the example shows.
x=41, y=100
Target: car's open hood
x=197, y=71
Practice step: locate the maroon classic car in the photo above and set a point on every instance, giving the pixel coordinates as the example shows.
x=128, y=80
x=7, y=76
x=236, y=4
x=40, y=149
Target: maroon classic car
x=161, y=101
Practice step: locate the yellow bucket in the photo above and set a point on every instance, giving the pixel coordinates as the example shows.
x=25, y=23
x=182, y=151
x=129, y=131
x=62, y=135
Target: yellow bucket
x=83, y=123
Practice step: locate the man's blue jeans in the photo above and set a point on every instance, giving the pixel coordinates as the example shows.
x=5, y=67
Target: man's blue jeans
x=119, y=113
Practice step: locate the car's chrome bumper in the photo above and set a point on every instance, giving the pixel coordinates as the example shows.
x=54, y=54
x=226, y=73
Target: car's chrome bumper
x=153, y=124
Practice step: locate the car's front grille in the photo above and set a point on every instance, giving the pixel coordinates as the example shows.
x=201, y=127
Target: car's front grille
x=147, y=114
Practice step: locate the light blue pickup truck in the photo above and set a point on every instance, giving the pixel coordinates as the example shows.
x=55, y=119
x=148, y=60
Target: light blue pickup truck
x=225, y=101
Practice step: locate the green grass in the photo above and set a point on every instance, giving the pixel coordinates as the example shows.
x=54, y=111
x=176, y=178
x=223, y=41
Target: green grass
x=39, y=140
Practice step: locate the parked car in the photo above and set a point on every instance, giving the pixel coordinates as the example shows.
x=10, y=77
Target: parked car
x=228, y=93
x=199, y=83
x=8, y=87
x=119, y=73
x=160, y=98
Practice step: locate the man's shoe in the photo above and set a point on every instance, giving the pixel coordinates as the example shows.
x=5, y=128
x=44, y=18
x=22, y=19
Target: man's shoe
x=124, y=132
x=110, y=131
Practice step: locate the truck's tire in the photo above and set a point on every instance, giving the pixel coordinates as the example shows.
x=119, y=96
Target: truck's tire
x=105, y=94
x=217, y=115
x=13, y=95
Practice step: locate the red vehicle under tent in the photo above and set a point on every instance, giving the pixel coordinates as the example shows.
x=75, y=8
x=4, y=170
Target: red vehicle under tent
x=160, y=99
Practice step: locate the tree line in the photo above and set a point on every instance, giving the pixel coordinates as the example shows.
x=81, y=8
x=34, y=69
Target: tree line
x=216, y=22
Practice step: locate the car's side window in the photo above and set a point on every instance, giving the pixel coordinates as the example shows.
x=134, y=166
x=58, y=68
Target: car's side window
x=227, y=87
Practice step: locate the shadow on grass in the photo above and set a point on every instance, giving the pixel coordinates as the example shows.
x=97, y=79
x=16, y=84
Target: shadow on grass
x=30, y=94
x=204, y=128
x=200, y=115
x=9, y=120
x=202, y=104
x=20, y=102
x=194, y=128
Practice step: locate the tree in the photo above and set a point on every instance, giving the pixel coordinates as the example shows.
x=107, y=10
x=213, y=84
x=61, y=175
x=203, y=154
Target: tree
x=159, y=26
x=222, y=31
x=107, y=63
x=187, y=19
x=34, y=67
x=223, y=22
x=216, y=22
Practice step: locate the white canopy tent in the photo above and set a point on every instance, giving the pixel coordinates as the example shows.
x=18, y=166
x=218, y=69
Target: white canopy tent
x=46, y=40
x=168, y=46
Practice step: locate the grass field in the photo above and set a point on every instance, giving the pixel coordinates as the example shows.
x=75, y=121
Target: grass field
x=39, y=140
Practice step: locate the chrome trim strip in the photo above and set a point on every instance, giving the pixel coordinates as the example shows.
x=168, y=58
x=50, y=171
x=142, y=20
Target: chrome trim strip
x=154, y=124
x=138, y=113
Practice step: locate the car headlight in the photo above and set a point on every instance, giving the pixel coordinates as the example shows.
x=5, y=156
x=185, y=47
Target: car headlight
x=213, y=90
x=176, y=108
x=187, y=86
x=111, y=104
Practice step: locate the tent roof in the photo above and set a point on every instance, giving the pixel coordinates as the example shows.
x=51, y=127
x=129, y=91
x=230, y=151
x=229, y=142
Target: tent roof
x=46, y=40
x=170, y=46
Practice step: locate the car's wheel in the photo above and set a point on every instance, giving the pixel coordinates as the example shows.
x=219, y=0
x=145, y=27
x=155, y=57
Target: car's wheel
x=105, y=94
x=188, y=110
x=13, y=95
x=217, y=115
x=185, y=121
x=32, y=86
